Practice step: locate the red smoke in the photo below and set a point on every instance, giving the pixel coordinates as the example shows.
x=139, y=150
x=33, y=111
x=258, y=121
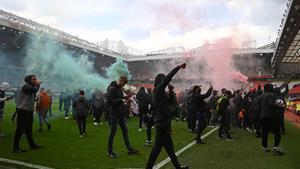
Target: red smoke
x=222, y=73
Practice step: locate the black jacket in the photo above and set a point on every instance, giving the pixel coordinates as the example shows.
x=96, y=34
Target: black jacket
x=143, y=101
x=162, y=114
x=197, y=102
x=267, y=105
x=115, y=98
x=172, y=99
x=81, y=107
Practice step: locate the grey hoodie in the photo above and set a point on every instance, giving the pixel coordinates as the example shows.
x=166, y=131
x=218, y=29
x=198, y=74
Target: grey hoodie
x=26, y=96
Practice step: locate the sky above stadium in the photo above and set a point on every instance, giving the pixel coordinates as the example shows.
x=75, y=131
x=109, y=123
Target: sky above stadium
x=155, y=24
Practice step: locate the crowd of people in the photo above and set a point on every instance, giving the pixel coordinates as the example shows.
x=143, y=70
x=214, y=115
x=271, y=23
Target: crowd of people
x=259, y=110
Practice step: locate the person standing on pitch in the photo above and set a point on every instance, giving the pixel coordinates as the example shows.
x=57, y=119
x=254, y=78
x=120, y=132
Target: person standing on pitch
x=143, y=102
x=162, y=120
x=80, y=108
x=116, y=101
x=199, y=107
x=42, y=108
x=223, y=111
x=24, y=110
x=3, y=86
x=270, y=118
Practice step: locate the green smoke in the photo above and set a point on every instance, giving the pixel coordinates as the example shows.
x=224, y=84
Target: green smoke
x=118, y=68
x=61, y=68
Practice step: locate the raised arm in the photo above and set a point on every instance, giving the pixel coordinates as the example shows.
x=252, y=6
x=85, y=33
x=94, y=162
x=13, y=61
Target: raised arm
x=169, y=77
x=31, y=89
x=208, y=93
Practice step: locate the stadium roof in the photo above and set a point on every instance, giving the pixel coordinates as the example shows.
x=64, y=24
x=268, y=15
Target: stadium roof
x=112, y=48
x=286, y=59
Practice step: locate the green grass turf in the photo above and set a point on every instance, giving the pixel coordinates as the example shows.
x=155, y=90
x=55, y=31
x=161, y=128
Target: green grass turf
x=63, y=149
x=244, y=153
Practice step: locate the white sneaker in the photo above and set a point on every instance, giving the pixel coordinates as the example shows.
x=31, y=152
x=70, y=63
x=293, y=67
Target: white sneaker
x=229, y=139
x=278, y=150
x=96, y=124
x=101, y=124
x=148, y=143
x=81, y=136
x=66, y=118
x=140, y=129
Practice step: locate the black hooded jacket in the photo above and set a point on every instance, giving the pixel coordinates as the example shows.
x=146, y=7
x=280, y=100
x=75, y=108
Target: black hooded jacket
x=162, y=114
x=115, y=98
x=143, y=100
x=197, y=101
x=267, y=105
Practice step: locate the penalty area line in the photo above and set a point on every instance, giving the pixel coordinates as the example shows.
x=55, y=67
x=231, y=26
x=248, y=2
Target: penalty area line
x=24, y=164
x=165, y=161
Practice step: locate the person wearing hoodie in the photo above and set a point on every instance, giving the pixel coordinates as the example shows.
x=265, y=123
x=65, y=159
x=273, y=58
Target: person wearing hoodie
x=42, y=107
x=143, y=103
x=116, y=101
x=3, y=86
x=67, y=103
x=222, y=110
x=162, y=119
x=200, y=108
x=24, y=110
x=98, y=106
x=270, y=118
x=80, y=108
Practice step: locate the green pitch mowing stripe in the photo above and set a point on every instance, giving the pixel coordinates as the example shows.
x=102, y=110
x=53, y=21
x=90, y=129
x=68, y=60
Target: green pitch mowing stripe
x=23, y=164
x=165, y=161
x=244, y=153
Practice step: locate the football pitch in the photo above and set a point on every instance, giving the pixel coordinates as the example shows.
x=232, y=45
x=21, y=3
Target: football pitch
x=64, y=149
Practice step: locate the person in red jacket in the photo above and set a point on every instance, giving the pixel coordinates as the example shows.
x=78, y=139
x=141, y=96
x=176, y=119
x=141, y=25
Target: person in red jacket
x=42, y=108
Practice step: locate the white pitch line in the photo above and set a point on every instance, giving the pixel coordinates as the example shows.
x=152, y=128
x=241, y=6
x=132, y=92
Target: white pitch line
x=24, y=164
x=165, y=161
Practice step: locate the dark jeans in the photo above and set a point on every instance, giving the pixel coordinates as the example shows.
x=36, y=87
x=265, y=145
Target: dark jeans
x=224, y=126
x=192, y=120
x=142, y=113
x=162, y=139
x=67, y=109
x=24, y=125
x=43, y=118
x=60, y=104
x=149, y=123
x=257, y=124
x=114, y=121
x=201, y=124
x=273, y=125
x=282, y=122
x=214, y=117
x=50, y=110
x=81, y=121
x=97, y=114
